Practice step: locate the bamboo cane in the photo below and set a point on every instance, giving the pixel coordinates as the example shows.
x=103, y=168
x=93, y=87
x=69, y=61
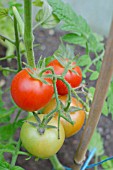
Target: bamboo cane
x=98, y=101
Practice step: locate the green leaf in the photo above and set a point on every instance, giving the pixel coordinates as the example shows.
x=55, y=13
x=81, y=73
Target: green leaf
x=65, y=51
x=3, y=12
x=44, y=13
x=84, y=60
x=72, y=22
x=17, y=168
x=94, y=43
x=5, y=73
x=110, y=99
x=92, y=91
x=48, y=23
x=7, y=29
x=6, y=132
x=49, y=59
x=4, y=113
x=76, y=25
x=1, y=156
x=38, y=3
x=98, y=145
x=98, y=65
x=75, y=39
x=19, y=123
x=7, y=148
x=94, y=75
x=4, y=165
x=105, y=109
x=108, y=164
x=17, y=5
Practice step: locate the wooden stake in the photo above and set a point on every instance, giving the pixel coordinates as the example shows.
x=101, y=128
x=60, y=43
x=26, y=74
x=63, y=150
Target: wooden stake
x=102, y=85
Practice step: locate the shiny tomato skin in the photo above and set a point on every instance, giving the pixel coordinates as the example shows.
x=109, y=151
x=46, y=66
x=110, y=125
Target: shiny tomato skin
x=44, y=145
x=28, y=93
x=74, y=79
x=78, y=117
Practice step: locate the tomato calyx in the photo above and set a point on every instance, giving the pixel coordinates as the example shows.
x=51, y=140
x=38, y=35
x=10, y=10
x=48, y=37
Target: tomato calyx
x=39, y=73
x=41, y=125
x=67, y=64
x=64, y=113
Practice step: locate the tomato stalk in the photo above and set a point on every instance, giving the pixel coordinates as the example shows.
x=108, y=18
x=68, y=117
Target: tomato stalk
x=56, y=164
x=18, y=114
x=55, y=77
x=98, y=57
x=17, y=45
x=69, y=93
x=87, y=48
x=7, y=57
x=98, y=101
x=6, y=38
x=7, y=69
x=15, y=155
x=58, y=105
x=56, y=97
x=78, y=98
x=58, y=108
x=28, y=35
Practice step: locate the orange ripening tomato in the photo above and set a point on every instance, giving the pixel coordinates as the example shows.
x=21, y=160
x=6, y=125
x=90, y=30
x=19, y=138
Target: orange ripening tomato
x=29, y=93
x=78, y=117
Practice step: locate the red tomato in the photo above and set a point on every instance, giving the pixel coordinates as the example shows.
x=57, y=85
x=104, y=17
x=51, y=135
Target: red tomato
x=74, y=79
x=30, y=94
x=78, y=117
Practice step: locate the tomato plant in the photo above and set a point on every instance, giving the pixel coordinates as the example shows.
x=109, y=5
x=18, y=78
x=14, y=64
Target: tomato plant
x=73, y=76
x=29, y=93
x=41, y=145
x=77, y=116
x=58, y=76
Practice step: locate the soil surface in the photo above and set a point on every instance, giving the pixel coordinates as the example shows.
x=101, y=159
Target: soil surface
x=49, y=41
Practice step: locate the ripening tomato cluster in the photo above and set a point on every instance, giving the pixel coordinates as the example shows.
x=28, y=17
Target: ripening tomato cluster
x=32, y=94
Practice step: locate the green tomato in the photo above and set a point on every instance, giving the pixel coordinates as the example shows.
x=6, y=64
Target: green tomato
x=42, y=145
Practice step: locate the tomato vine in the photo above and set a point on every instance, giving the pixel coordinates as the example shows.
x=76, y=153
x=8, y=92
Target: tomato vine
x=36, y=86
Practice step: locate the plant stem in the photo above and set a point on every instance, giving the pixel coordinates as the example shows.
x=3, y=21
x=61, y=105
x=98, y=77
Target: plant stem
x=94, y=61
x=7, y=57
x=56, y=164
x=69, y=92
x=98, y=101
x=17, y=45
x=6, y=38
x=18, y=114
x=7, y=69
x=96, y=160
x=28, y=35
x=19, y=20
x=87, y=48
x=78, y=98
x=14, y=157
